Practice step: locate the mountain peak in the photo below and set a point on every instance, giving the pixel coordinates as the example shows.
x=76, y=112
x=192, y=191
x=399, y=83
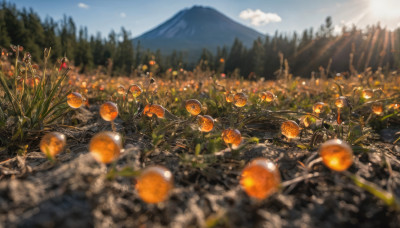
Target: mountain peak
x=195, y=28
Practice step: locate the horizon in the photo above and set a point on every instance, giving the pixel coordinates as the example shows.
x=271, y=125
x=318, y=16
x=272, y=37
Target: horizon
x=264, y=19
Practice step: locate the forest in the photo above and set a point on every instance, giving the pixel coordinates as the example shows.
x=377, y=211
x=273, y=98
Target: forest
x=321, y=52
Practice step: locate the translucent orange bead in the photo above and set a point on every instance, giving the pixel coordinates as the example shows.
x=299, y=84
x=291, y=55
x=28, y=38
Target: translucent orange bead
x=121, y=90
x=260, y=178
x=52, y=143
x=394, y=106
x=193, y=106
x=290, y=129
x=105, y=146
x=74, y=100
x=232, y=136
x=377, y=108
x=154, y=184
x=154, y=109
x=135, y=90
x=307, y=120
x=229, y=97
x=336, y=155
x=341, y=102
x=130, y=97
x=318, y=107
x=109, y=111
x=367, y=93
x=267, y=96
x=206, y=123
x=240, y=99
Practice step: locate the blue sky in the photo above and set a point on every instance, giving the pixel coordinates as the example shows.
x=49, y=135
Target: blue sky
x=266, y=16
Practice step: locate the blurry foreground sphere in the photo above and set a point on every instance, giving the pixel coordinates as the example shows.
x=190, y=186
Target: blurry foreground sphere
x=105, y=146
x=336, y=154
x=260, y=178
x=53, y=143
x=154, y=184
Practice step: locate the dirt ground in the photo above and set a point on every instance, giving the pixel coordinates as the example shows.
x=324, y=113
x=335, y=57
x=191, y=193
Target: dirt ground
x=74, y=192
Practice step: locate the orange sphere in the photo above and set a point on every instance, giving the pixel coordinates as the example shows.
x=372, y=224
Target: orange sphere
x=135, y=90
x=109, y=111
x=290, y=129
x=307, y=120
x=232, y=136
x=341, y=102
x=105, y=146
x=240, y=99
x=154, y=184
x=394, y=106
x=260, y=178
x=52, y=143
x=336, y=155
x=377, y=108
x=267, y=96
x=130, y=97
x=193, y=106
x=367, y=93
x=206, y=123
x=154, y=109
x=121, y=90
x=74, y=100
x=229, y=97
x=318, y=107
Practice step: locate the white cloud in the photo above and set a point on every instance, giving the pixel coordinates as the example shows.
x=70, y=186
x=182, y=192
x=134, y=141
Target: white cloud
x=258, y=17
x=83, y=5
x=123, y=15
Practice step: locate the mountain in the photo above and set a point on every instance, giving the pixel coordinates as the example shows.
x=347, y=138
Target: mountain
x=191, y=30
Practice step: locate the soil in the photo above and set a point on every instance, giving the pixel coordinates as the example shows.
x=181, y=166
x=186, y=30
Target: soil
x=74, y=191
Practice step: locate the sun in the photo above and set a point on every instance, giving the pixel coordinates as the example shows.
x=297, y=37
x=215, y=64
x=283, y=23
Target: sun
x=387, y=9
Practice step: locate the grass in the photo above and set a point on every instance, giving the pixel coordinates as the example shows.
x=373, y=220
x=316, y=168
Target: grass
x=31, y=102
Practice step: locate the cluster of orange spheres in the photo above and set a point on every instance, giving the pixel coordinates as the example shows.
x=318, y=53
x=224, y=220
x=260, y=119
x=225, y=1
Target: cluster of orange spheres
x=240, y=99
x=75, y=100
x=108, y=111
x=193, y=106
x=154, y=109
x=153, y=184
x=267, y=96
x=232, y=136
x=336, y=155
x=206, y=123
x=290, y=129
x=52, y=144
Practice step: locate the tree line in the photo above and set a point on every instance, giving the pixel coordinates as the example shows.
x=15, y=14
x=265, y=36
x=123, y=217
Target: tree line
x=353, y=49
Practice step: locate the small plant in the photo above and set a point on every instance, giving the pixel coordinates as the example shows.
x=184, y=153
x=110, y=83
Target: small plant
x=31, y=106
